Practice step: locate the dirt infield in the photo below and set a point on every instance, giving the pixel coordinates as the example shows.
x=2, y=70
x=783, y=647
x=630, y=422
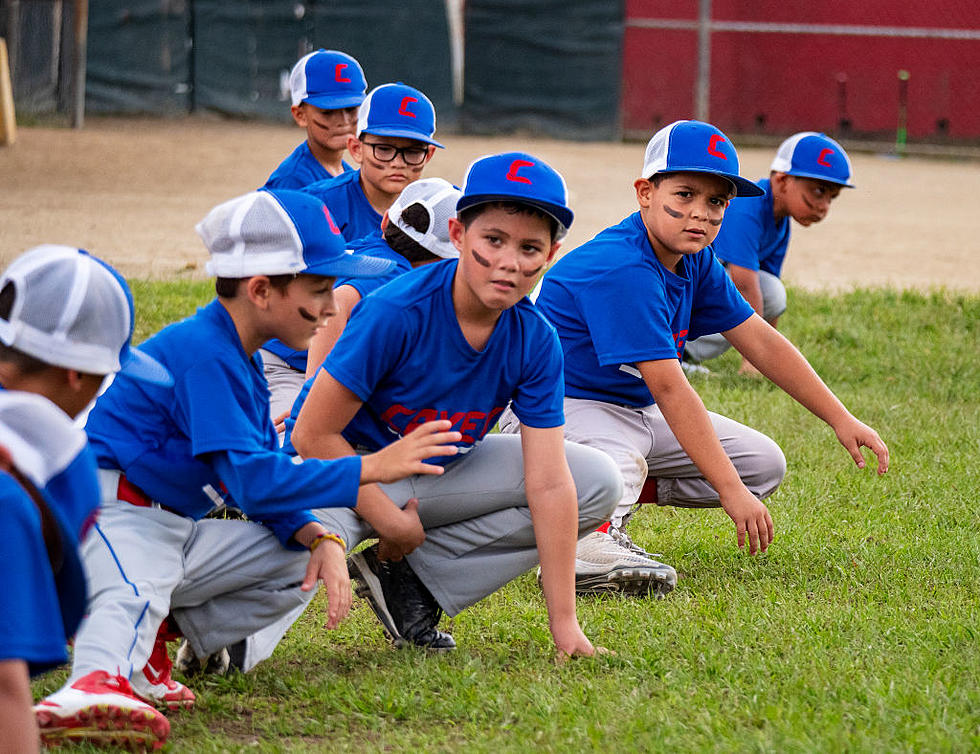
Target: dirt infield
x=131, y=191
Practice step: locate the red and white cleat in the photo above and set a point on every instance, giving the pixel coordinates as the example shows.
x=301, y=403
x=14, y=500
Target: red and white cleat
x=100, y=709
x=155, y=683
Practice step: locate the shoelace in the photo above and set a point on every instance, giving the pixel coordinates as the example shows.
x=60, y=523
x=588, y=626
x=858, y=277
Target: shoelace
x=623, y=540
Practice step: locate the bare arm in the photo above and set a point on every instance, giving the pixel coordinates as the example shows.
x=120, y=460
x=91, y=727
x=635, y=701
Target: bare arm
x=18, y=730
x=328, y=409
x=345, y=298
x=747, y=282
x=781, y=362
x=553, y=502
x=688, y=420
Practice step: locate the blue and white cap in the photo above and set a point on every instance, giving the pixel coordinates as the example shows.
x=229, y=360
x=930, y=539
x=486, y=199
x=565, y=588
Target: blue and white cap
x=280, y=232
x=691, y=146
x=398, y=110
x=72, y=310
x=327, y=79
x=809, y=154
x=517, y=177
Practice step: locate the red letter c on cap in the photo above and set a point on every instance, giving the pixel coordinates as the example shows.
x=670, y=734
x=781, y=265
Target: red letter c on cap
x=338, y=71
x=403, y=107
x=713, y=143
x=822, y=159
x=514, y=167
x=330, y=222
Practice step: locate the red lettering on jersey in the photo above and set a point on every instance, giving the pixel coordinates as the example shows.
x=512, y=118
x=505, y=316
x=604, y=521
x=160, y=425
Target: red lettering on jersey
x=424, y=415
x=392, y=412
x=330, y=222
x=492, y=419
x=713, y=143
x=403, y=107
x=679, y=338
x=822, y=159
x=514, y=167
x=472, y=421
x=337, y=71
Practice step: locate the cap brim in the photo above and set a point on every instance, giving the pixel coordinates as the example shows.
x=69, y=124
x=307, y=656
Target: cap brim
x=145, y=368
x=403, y=133
x=335, y=101
x=563, y=215
x=814, y=176
x=743, y=186
x=351, y=265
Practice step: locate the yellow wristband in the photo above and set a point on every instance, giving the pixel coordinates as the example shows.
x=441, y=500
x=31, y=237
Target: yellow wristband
x=321, y=538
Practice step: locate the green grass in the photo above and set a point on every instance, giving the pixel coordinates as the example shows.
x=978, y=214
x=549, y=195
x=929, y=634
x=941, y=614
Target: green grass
x=858, y=631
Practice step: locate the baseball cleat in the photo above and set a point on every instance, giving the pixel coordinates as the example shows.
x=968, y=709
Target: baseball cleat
x=406, y=609
x=190, y=664
x=101, y=710
x=155, y=685
x=608, y=564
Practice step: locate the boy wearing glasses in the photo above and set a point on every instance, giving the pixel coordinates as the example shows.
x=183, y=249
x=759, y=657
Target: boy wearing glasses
x=392, y=145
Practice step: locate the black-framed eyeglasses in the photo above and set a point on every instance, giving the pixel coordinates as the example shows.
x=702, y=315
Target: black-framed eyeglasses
x=387, y=152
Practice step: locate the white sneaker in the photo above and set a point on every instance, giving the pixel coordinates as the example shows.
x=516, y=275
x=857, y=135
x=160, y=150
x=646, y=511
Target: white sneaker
x=155, y=684
x=604, y=565
x=100, y=709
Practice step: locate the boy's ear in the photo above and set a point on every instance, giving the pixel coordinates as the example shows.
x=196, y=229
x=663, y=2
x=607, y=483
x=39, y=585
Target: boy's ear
x=355, y=148
x=299, y=115
x=432, y=151
x=644, y=191
x=456, y=232
x=258, y=290
x=554, y=250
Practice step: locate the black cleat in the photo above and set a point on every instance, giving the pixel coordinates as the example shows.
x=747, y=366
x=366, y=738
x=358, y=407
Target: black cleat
x=407, y=610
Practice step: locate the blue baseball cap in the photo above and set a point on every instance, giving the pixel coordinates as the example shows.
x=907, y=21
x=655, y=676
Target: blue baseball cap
x=691, y=146
x=809, y=154
x=398, y=110
x=280, y=232
x=517, y=177
x=73, y=310
x=327, y=79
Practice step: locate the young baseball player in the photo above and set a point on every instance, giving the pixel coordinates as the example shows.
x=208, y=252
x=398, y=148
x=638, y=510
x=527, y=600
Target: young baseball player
x=459, y=339
x=169, y=456
x=44, y=583
x=66, y=321
x=392, y=146
x=808, y=173
x=624, y=304
x=326, y=87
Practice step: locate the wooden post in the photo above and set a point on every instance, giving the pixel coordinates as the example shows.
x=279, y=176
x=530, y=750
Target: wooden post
x=8, y=122
x=78, y=59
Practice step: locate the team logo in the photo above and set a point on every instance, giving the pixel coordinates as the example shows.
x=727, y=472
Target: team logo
x=713, y=143
x=515, y=166
x=403, y=107
x=338, y=73
x=330, y=222
x=824, y=154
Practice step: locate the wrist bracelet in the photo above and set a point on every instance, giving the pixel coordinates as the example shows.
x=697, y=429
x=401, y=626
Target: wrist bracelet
x=321, y=538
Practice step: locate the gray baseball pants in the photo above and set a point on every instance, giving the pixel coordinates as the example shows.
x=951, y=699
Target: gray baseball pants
x=284, y=384
x=773, y=305
x=642, y=445
x=478, y=531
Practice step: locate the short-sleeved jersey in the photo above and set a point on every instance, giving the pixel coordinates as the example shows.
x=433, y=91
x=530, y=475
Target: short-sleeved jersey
x=750, y=236
x=404, y=354
x=614, y=304
x=300, y=169
x=209, y=436
x=371, y=245
x=347, y=203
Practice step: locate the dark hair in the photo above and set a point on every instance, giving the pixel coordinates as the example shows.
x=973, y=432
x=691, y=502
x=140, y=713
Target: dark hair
x=228, y=287
x=415, y=216
x=468, y=215
x=25, y=363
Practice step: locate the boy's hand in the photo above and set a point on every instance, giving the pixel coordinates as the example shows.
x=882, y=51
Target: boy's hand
x=751, y=518
x=328, y=563
x=280, y=422
x=404, y=457
x=854, y=435
x=403, y=536
x=570, y=641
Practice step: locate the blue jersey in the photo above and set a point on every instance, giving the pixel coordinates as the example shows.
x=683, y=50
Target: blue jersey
x=404, y=355
x=372, y=245
x=210, y=436
x=613, y=304
x=300, y=169
x=750, y=236
x=39, y=612
x=348, y=205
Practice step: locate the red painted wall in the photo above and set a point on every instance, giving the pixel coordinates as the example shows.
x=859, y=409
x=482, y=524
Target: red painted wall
x=780, y=83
